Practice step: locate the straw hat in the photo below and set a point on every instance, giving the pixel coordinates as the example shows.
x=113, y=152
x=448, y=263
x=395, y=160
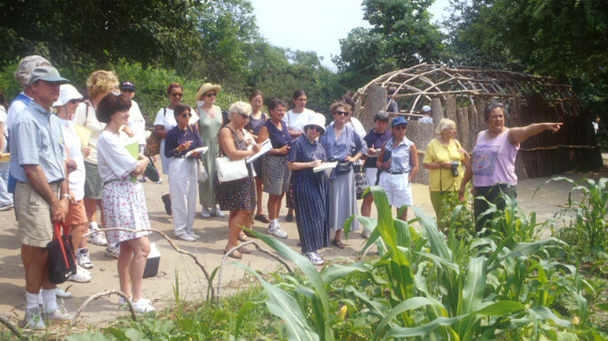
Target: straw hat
x=205, y=88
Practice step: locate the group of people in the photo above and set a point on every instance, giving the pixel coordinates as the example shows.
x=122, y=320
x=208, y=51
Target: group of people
x=54, y=177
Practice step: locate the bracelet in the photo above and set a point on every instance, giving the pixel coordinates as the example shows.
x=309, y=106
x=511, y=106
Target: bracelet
x=66, y=195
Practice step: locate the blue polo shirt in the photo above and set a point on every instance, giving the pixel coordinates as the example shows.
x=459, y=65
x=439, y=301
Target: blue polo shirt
x=37, y=139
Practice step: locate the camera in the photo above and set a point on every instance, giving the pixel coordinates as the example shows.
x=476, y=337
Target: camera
x=455, y=168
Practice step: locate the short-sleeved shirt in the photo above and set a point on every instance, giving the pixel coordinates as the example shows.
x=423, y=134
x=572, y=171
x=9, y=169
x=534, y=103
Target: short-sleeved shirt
x=278, y=138
x=441, y=179
x=3, y=116
x=114, y=161
x=37, y=139
x=85, y=116
x=375, y=140
x=348, y=143
x=74, y=145
x=165, y=118
x=400, y=155
x=297, y=122
x=494, y=160
x=426, y=119
x=18, y=104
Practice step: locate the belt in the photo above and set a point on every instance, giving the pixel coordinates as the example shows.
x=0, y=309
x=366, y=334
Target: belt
x=395, y=173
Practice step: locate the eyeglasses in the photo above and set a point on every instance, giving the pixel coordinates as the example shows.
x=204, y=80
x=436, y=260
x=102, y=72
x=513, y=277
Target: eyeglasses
x=345, y=113
x=317, y=129
x=177, y=94
x=213, y=94
x=127, y=90
x=245, y=116
x=401, y=127
x=186, y=115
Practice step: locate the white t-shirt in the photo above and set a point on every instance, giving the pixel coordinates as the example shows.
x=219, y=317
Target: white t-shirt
x=426, y=120
x=74, y=145
x=298, y=121
x=90, y=121
x=167, y=120
x=137, y=123
x=115, y=162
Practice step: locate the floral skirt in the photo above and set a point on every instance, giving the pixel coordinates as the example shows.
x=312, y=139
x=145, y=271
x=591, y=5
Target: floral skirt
x=124, y=206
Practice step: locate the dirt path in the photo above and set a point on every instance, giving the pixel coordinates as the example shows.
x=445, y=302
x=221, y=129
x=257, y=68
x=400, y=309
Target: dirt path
x=192, y=283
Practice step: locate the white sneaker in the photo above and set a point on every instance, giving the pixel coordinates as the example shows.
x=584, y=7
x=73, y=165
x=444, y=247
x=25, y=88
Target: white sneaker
x=98, y=238
x=143, y=306
x=186, y=237
x=84, y=258
x=33, y=319
x=57, y=316
x=113, y=251
x=81, y=276
x=60, y=293
x=366, y=233
x=277, y=232
x=205, y=212
x=194, y=235
x=216, y=212
x=315, y=258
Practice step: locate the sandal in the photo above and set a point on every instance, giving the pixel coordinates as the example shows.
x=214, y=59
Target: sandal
x=338, y=244
x=243, y=237
x=234, y=254
x=245, y=251
x=262, y=218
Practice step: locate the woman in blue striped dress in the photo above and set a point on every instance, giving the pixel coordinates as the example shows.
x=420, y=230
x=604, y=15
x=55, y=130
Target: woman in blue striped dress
x=310, y=189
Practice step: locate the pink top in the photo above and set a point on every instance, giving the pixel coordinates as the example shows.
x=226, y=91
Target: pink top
x=494, y=160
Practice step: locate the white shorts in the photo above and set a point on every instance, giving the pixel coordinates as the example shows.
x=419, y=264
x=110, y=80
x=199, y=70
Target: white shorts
x=397, y=187
x=371, y=173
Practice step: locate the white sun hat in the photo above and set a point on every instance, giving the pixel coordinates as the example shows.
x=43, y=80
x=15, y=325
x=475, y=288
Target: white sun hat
x=317, y=119
x=67, y=92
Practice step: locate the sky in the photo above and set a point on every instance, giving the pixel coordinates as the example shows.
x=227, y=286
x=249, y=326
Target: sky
x=315, y=25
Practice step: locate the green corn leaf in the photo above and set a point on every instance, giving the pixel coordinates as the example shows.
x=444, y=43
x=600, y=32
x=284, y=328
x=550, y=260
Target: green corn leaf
x=436, y=239
x=474, y=286
x=446, y=262
x=336, y=271
x=410, y=304
x=247, y=307
x=544, y=313
x=283, y=305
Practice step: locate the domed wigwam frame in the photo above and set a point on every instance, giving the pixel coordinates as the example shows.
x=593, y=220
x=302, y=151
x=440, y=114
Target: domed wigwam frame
x=461, y=94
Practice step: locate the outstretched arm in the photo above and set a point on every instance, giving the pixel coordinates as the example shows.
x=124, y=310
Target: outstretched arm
x=520, y=134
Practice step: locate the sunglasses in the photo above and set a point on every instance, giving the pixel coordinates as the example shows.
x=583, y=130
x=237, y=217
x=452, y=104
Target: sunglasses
x=177, y=94
x=317, y=129
x=74, y=101
x=344, y=113
x=401, y=127
x=127, y=90
x=213, y=94
x=245, y=116
x=186, y=115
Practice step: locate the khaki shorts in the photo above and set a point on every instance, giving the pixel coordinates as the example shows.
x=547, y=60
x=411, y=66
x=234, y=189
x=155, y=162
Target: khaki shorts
x=33, y=215
x=76, y=214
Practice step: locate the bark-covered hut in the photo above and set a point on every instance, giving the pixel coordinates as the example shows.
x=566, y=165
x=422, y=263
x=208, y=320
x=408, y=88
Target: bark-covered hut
x=462, y=94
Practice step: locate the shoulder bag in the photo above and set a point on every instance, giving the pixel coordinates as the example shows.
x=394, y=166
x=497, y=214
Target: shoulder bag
x=229, y=170
x=62, y=261
x=153, y=142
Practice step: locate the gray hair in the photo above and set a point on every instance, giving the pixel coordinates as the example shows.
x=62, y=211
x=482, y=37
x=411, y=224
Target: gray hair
x=26, y=65
x=239, y=108
x=381, y=116
x=491, y=106
x=444, y=123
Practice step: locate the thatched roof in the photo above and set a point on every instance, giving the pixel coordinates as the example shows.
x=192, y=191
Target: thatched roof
x=414, y=87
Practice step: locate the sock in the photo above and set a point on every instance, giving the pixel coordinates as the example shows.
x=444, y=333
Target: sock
x=274, y=223
x=31, y=300
x=93, y=226
x=49, y=300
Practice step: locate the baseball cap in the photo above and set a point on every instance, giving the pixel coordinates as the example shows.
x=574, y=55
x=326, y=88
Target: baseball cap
x=398, y=120
x=47, y=74
x=127, y=85
x=426, y=108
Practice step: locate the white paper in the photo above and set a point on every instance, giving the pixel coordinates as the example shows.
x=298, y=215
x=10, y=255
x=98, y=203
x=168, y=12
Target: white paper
x=266, y=146
x=325, y=166
x=201, y=150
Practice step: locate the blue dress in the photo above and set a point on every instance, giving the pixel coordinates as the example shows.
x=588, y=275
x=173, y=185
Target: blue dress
x=310, y=195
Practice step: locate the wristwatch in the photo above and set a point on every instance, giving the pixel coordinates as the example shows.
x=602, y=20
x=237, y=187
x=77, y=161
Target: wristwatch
x=66, y=195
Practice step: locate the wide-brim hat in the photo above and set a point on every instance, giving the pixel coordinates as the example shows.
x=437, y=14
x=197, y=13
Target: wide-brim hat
x=398, y=120
x=47, y=74
x=67, y=92
x=205, y=88
x=317, y=120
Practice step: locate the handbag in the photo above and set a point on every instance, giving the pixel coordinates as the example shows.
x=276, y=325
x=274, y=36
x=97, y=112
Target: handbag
x=62, y=260
x=151, y=172
x=231, y=171
x=361, y=182
x=201, y=173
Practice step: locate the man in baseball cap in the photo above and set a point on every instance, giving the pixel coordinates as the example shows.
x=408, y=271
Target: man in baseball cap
x=41, y=195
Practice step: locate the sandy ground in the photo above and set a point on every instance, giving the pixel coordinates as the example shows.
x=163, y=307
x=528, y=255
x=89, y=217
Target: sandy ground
x=214, y=231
